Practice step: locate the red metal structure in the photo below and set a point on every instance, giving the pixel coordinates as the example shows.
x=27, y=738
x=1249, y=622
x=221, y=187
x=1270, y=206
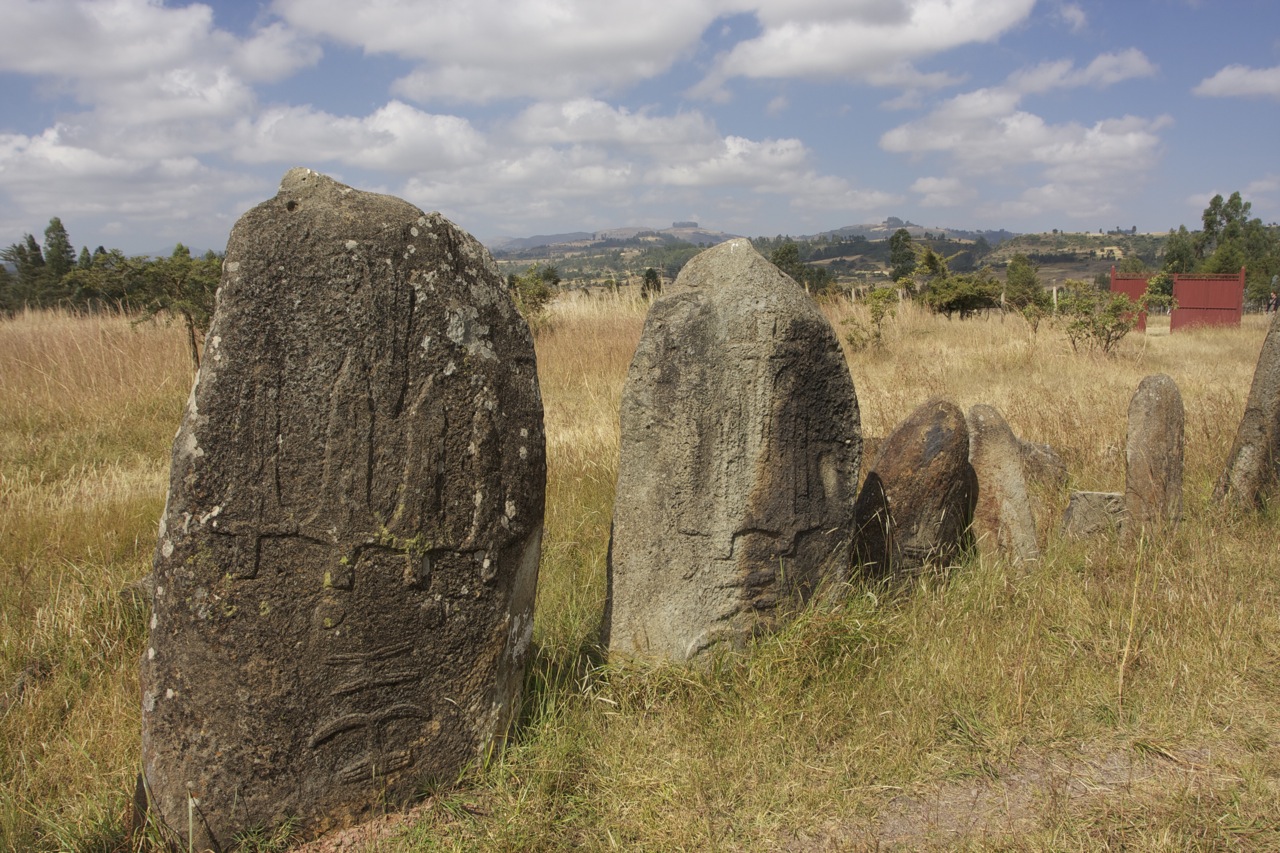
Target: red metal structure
x=1132, y=285
x=1207, y=300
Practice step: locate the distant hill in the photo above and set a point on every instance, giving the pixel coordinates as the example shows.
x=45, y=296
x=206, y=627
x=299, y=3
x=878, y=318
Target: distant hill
x=884, y=230
x=691, y=232
x=519, y=244
x=686, y=232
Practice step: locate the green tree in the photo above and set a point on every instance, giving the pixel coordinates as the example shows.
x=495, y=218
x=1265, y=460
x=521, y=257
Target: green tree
x=787, y=258
x=59, y=254
x=27, y=285
x=882, y=304
x=1180, y=251
x=652, y=284
x=532, y=290
x=951, y=293
x=1100, y=319
x=1022, y=282
x=1024, y=293
x=902, y=255
x=1161, y=284
x=110, y=280
x=1231, y=238
x=182, y=287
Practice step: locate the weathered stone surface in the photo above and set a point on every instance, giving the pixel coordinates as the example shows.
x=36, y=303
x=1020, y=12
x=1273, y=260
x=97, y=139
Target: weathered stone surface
x=1252, y=472
x=1002, y=518
x=1042, y=464
x=923, y=482
x=1153, y=457
x=347, y=560
x=1093, y=513
x=739, y=461
x=873, y=545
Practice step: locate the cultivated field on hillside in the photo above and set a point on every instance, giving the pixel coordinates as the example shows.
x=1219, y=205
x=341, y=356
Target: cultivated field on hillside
x=1108, y=697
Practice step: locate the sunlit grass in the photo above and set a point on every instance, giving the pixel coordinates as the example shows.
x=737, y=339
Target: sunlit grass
x=1161, y=658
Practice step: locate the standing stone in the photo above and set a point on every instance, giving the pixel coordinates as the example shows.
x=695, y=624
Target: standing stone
x=347, y=560
x=739, y=460
x=873, y=544
x=1252, y=473
x=1042, y=464
x=1091, y=514
x=917, y=503
x=1153, y=457
x=1002, y=517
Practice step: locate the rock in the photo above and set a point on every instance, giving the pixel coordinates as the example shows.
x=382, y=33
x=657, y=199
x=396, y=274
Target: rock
x=738, y=465
x=1153, y=457
x=1093, y=513
x=873, y=543
x=346, y=568
x=1252, y=472
x=1002, y=517
x=140, y=592
x=923, y=482
x=1042, y=464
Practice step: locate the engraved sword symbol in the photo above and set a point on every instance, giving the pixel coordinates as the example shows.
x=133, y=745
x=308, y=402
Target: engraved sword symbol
x=367, y=673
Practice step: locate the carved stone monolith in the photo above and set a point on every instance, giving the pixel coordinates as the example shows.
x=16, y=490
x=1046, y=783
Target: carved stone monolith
x=1090, y=514
x=739, y=460
x=1153, y=457
x=347, y=561
x=1002, y=518
x=916, y=506
x=1042, y=464
x=1252, y=472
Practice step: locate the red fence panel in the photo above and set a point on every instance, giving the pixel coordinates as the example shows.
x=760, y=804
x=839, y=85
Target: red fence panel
x=1207, y=300
x=1132, y=285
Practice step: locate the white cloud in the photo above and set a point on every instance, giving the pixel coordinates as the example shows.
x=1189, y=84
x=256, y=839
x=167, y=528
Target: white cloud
x=1105, y=70
x=487, y=50
x=1239, y=81
x=1073, y=16
x=395, y=138
x=274, y=52
x=858, y=41
x=110, y=39
x=943, y=192
x=490, y=50
x=737, y=160
x=48, y=174
x=161, y=52
x=1071, y=166
x=588, y=120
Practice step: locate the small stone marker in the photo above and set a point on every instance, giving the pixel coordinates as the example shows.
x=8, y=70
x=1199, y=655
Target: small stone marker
x=1153, y=457
x=1090, y=514
x=923, y=483
x=1252, y=472
x=739, y=461
x=1002, y=518
x=1042, y=464
x=348, y=556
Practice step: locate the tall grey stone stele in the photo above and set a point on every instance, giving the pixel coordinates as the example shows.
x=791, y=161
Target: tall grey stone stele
x=739, y=461
x=1251, y=477
x=347, y=560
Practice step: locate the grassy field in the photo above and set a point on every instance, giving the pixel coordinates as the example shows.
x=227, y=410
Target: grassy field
x=1109, y=698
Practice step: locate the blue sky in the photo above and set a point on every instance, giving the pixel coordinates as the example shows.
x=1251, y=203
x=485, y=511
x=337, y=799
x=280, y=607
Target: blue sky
x=142, y=124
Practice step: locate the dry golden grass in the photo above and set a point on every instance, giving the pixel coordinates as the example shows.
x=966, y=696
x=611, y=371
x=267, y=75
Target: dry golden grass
x=87, y=407
x=1109, y=698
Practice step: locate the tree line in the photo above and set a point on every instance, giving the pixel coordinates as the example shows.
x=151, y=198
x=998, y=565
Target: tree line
x=52, y=275
x=1229, y=238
